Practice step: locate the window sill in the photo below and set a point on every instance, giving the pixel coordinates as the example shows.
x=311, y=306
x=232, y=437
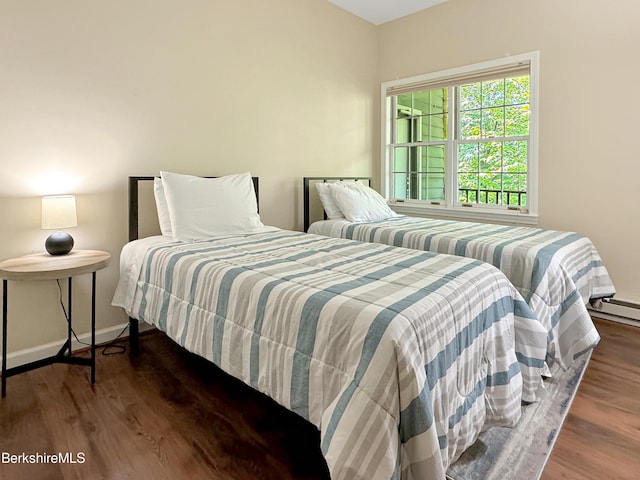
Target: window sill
x=465, y=214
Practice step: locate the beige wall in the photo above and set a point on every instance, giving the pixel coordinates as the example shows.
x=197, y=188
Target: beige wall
x=91, y=92
x=589, y=166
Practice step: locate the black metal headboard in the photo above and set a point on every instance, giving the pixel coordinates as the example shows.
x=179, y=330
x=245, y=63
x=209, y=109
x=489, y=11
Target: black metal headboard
x=134, y=202
x=308, y=181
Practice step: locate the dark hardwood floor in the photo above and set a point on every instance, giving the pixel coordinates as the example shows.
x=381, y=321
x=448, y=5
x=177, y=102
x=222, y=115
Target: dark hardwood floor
x=600, y=438
x=166, y=414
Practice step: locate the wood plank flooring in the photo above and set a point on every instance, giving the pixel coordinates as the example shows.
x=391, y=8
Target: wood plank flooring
x=600, y=438
x=166, y=414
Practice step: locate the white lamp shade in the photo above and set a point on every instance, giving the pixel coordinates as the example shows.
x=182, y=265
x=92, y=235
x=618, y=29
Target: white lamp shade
x=59, y=211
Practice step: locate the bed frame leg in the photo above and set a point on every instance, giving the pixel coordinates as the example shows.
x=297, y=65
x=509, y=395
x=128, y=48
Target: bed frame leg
x=134, y=336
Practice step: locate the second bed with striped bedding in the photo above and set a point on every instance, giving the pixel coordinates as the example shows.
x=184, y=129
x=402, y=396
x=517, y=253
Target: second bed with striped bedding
x=556, y=272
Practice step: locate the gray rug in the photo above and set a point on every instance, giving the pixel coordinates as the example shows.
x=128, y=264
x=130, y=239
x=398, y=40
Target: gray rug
x=522, y=452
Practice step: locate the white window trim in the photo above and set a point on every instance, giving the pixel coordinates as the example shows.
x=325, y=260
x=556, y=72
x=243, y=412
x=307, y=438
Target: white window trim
x=477, y=213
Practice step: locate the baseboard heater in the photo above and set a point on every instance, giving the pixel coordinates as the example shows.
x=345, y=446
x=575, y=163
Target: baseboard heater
x=618, y=310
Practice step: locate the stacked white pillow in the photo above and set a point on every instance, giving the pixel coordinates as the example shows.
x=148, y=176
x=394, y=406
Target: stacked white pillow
x=354, y=201
x=325, y=192
x=161, y=207
x=197, y=208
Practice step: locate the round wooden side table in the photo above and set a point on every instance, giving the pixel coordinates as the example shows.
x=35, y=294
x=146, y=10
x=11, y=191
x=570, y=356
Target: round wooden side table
x=42, y=266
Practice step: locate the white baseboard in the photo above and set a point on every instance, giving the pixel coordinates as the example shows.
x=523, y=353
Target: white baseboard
x=618, y=311
x=104, y=335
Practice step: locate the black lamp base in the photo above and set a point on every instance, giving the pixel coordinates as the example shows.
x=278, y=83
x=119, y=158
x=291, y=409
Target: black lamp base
x=59, y=243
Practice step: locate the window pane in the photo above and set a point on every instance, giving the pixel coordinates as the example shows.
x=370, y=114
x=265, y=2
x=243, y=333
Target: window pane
x=470, y=96
x=514, y=182
x=492, y=93
x=515, y=186
x=434, y=186
x=403, y=130
x=435, y=159
x=517, y=90
x=416, y=187
x=468, y=180
x=490, y=188
x=403, y=101
x=470, y=124
x=468, y=157
x=415, y=154
x=514, y=199
x=400, y=185
x=439, y=101
x=493, y=122
x=516, y=121
x=421, y=102
x=467, y=187
x=433, y=128
x=515, y=156
x=491, y=157
x=401, y=159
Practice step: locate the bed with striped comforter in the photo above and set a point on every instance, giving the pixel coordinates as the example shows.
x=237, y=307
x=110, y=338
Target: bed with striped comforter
x=556, y=272
x=399, y=357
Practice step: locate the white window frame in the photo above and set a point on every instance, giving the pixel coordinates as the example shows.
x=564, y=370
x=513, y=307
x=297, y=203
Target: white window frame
x=448, y=208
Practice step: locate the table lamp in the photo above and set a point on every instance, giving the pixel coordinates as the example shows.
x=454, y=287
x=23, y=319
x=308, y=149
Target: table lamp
x=59, y=211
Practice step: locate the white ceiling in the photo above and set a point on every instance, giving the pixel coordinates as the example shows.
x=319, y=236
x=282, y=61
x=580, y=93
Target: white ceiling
x=381, y=11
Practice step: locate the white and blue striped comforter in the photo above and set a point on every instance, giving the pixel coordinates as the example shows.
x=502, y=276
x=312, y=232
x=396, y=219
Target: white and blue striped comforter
x=399, y=357
x=556, y=272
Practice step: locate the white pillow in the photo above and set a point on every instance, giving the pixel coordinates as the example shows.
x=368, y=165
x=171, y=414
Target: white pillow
x=161, y=206
x=200, y=208
x=360, y=203
x=328, y=203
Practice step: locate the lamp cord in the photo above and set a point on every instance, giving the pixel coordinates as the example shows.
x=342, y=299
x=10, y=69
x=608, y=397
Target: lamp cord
x=119, y=349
